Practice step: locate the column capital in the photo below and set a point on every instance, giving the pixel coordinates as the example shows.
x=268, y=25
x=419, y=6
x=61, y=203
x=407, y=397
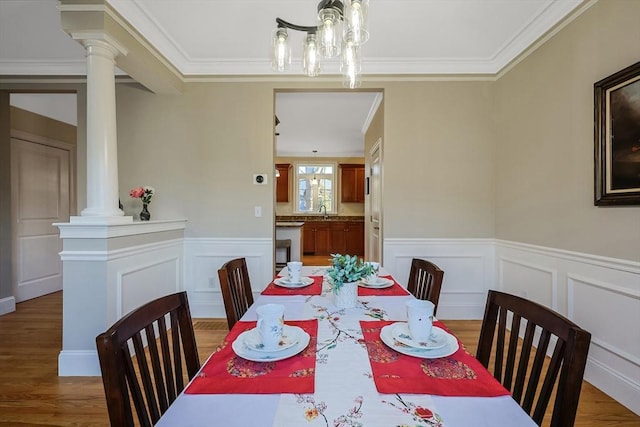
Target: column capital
x=101, y=43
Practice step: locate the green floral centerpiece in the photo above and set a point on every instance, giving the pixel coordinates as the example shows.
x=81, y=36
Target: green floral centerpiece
x=347, y=269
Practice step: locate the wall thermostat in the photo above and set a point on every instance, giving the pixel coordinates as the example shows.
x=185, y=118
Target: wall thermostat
x=260, y=179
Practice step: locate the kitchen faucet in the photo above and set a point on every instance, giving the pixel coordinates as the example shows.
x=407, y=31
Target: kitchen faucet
x=323, y=206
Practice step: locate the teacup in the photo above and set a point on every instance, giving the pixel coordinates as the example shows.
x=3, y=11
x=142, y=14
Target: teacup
x=420, y=319
x=270, y=324
x=373, y=278
x=295, y=270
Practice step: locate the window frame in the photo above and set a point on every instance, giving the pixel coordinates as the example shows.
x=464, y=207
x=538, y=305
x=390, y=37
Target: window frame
x=334, y=186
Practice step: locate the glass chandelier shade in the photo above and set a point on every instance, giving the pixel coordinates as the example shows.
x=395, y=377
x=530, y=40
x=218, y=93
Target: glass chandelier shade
x=281, y=54
x=350, y=65
x=330, y=28
x=355, y=17
x=340, y=32
x=311, y=55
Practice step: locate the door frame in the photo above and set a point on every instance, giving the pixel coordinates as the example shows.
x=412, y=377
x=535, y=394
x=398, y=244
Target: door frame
x=377, y=146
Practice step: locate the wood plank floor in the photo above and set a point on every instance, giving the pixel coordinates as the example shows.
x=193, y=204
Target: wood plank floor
x=32, y=394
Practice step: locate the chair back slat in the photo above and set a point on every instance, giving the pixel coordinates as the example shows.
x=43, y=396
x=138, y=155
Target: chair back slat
x=153, y=375
x=169, y=375
x=536, y=373
x=236, y=289
x=523, y=362
x=502, y=321
x=425, y=281
x=511, y=353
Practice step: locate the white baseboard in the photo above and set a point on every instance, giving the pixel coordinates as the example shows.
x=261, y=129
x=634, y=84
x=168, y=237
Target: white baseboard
x=619, y=387
x=78, y=363
x=7, y=305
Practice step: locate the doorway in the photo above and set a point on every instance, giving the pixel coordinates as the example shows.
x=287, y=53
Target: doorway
x=43, y=158
x=330, y=127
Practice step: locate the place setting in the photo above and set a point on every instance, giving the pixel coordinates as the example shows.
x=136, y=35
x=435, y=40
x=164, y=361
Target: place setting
x=271, y=340
x=294, y=283
x=419, y=337
x=263, y=356
x=420, y=356
x=372, y=284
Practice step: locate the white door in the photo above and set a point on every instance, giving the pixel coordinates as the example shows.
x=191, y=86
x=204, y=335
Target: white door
x=375, y=205
x=40, y=197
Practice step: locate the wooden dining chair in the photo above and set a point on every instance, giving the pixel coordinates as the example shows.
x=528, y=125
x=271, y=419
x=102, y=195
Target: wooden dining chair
x=160, y=334
x=522, y=366
x=236, y=289
x=425, y=281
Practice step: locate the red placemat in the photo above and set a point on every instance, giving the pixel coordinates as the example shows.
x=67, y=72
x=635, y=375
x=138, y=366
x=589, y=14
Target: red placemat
x=395, y=290
x=313, y=289
x=226, y=373
x=457, y=375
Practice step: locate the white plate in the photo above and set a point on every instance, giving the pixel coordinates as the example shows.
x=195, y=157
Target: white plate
x=380, y=284
x=286, y=283
x=253, y=342
x=386, y=334
x=240, y=348
x=438, y=338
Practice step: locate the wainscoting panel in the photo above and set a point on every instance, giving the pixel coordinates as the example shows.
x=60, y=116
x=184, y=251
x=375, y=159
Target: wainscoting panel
x=600, y=294
x=203, y=258
x=468, y=266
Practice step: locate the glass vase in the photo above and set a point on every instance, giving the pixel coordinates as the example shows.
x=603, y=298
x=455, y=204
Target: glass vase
x=145, y=215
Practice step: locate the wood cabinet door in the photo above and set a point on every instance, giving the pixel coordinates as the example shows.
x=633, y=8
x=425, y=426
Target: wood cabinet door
x=352, y=184
x=322, y=235
x=338, y=237
x=355, y=238
x=282, y=183
x=309, y=238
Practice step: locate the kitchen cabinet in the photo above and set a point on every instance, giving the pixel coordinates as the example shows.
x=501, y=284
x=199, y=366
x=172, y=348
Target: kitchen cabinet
x=327, y=237
x=354, y=238
x=316, y=237
x=282, y=183
x=352, y=184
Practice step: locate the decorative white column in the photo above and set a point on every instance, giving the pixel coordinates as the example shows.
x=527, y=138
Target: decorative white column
x=102, y=144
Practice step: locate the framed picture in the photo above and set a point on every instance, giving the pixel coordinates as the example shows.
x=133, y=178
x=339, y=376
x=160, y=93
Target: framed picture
x=617, y=138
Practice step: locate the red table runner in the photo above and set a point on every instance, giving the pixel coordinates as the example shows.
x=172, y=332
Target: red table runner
x=225, y=372
x=395, y=290
x=457, y=375
x=313, y=289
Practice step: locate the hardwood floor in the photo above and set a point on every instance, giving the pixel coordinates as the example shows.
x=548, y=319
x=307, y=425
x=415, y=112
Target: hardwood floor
x=32, y=394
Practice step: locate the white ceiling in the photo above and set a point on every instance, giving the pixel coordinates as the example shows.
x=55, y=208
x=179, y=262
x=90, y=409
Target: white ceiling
x=223, y=37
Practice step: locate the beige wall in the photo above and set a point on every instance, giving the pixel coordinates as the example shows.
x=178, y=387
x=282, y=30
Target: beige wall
x=200, y=149
x=544, y=128
x=438, y=160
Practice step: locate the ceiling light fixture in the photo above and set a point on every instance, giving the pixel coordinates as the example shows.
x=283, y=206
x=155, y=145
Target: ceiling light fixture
x=341, y=30
x=314, y=180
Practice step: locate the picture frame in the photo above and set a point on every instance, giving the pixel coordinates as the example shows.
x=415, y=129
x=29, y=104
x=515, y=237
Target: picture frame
x=617, y=138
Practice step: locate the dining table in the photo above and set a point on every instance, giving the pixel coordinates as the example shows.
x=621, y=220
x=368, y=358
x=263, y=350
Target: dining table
x=342, y=367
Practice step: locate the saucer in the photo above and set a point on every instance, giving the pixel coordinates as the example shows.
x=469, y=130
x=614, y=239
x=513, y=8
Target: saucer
x=253, y=342
x=381, y=283
x=386, y=335
x=438, y=338
x=286, y=283
x=301, y=342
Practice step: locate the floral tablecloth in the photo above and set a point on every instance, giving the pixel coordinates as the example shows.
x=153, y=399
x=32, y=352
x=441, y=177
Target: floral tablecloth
x=345, y=393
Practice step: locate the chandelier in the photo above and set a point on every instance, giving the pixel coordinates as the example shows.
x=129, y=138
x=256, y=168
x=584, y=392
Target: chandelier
x=341, y=30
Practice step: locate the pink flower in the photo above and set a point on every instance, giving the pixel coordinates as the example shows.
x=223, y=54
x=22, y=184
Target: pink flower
x=137, y=192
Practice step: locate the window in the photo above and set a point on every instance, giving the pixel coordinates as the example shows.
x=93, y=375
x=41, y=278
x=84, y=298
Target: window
x=315, y=188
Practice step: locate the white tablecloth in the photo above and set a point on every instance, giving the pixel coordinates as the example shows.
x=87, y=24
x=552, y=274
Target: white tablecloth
x=345, y=393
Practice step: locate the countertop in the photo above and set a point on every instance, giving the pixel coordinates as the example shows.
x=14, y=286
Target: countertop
x=298, y=218
x=289, y=224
